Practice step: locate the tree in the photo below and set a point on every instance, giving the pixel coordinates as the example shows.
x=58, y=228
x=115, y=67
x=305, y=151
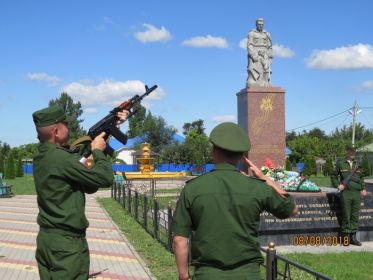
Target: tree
x=365, y=165
x=136, y=122
x=19, y=169
x=197, y=126
x=328, y=168
x=304, y=146
x=28, y=150
x=175, y=153
x=9, y=169
x=198, y=148
x=290, y=136
x=289, y=164
x=71, y=109
x=363, y=136
x=309, y=166
x=2, y=159
x=317, y=132
x=4, y=148
x=157, y=133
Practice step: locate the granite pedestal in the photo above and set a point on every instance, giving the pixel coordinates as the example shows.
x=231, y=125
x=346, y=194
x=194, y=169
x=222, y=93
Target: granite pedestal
x=318, y=223
x=261, y=113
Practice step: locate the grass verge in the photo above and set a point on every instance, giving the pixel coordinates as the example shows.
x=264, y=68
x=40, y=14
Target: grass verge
x=341, y=266
x=160, y=262
x=22, y=185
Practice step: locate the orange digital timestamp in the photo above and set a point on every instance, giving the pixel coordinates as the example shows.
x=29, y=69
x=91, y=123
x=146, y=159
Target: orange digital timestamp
x=319, y=240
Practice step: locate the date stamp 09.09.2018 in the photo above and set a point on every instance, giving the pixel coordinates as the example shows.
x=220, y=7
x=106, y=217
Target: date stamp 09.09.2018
x=320, y=240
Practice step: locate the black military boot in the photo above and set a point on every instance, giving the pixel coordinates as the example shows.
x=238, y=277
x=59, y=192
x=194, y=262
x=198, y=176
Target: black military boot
x=353, y=240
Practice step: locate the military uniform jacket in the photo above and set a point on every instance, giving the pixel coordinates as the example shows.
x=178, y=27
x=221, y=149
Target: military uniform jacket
x=61, y=182
x=342, y=170
x=222, y=210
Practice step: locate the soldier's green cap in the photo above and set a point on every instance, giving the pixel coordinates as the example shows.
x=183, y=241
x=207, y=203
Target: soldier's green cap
x=229, y=136
x=50, y=115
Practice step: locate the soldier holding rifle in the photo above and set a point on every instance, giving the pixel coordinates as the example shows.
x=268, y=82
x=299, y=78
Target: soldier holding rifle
x=349, y=181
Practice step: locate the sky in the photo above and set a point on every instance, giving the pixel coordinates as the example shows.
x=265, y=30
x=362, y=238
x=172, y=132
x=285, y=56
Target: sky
x=103, y=52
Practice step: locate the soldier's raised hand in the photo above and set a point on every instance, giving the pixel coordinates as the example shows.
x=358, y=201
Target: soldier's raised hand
x=99, y=143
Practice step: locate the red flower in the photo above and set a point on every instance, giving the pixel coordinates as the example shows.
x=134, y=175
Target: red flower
x=269, y=164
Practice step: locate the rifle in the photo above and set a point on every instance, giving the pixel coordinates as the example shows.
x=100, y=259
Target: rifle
x=350, y=177
x=108, y=123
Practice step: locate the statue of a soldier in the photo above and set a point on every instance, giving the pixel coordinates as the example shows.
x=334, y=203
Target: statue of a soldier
x=259, y=49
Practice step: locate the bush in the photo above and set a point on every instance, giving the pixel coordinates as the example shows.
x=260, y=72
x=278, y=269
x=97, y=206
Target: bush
x=19, y=171
x=328, y=168
x=1, y=162
x=289, y=164
x=10, y=172
x=310, y=166
x=365, y=165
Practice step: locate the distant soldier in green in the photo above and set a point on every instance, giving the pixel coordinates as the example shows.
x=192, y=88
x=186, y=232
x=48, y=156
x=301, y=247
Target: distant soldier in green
x=349, y=181
x=62, y=177
x=221, y=209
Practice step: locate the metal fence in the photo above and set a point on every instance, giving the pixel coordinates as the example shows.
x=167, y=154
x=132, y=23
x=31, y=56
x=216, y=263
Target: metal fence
x=156, y=219
x=291, y=269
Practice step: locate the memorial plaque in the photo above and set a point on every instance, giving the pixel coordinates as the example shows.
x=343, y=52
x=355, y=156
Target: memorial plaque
x=318, y=223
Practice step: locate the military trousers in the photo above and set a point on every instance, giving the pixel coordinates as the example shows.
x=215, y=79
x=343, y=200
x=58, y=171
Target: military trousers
x=350, y=201
x=249, y=271
x=62, y=257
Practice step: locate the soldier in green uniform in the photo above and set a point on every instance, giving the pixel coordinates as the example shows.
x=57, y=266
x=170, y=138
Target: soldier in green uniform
x=348, y=179
x=221, y=209
x=62, y=177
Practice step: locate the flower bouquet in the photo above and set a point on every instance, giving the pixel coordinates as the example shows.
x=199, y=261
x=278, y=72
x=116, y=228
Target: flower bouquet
x=288, y=180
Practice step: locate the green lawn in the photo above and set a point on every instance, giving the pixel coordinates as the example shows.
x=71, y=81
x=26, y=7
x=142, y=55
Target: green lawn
x=341, y=266
x=321, y=180
x=157, y=258
x=22, y=185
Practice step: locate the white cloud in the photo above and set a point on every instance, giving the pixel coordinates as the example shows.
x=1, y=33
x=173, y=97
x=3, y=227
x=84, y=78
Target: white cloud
x=243, y=44
x=153, y=34
x=224, y=118
x=282, y=51
x=109, y=92
x=206, y=42
x=364, y=86
x=51, y=80
x=90, y=110
x=351, y=57
x=278, y=50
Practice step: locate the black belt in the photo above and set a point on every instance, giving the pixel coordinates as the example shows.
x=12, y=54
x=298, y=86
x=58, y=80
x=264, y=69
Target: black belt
x=227, y=267
x=73, y=233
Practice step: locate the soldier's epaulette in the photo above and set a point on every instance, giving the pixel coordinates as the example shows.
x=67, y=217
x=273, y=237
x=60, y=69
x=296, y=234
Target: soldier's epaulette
x=190, y=180
x=66, y=149
x=256, y=178
x=196, y=177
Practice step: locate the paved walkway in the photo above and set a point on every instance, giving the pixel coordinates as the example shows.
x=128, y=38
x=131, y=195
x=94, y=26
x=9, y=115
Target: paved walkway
x=110, y=251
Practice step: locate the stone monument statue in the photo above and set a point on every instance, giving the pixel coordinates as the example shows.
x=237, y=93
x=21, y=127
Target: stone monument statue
x=259, y=52
x=260, y=105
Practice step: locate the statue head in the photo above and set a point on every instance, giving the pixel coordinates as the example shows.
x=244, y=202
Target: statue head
x=260, y=24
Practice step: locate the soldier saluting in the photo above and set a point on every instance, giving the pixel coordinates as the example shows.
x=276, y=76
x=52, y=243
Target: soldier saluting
x=221, y=210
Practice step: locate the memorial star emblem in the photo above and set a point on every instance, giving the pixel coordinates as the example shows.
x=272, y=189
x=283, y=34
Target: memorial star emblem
x=266, y=105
